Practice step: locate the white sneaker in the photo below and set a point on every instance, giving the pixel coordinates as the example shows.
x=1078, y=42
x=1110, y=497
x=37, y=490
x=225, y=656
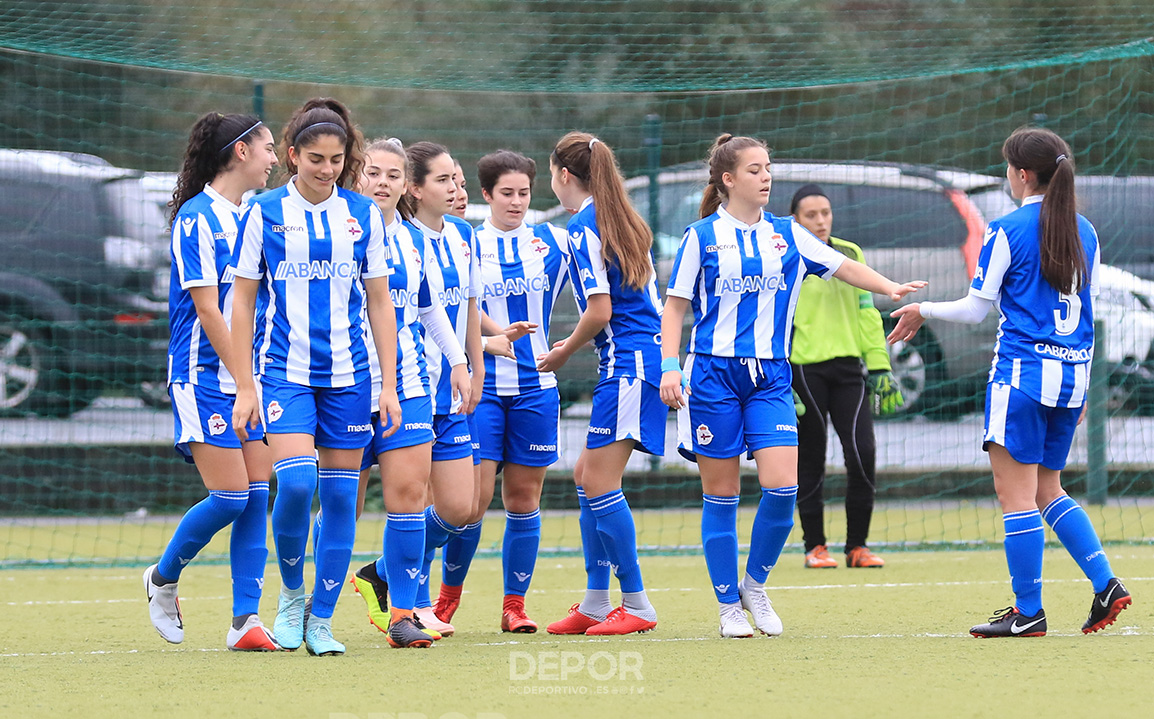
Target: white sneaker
x=430, y=621
x=164, y=608
x=733, y=622
x=252, y=637
x=757, y=602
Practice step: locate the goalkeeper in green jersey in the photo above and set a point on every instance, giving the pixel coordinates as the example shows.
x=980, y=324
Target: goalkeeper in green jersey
x=841, y=370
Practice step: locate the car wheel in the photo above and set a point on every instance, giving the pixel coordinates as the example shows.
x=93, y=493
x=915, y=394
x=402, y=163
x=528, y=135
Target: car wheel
x=22, y=369
x=31, y=382
x=921, y=372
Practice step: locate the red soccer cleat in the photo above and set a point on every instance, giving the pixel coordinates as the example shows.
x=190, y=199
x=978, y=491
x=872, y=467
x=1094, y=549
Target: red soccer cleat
x=513, y=617
x=447, y=603
x=574, y=623
x=619, y=622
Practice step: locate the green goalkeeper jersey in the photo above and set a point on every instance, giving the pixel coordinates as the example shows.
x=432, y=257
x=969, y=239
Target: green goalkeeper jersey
x=835, y=319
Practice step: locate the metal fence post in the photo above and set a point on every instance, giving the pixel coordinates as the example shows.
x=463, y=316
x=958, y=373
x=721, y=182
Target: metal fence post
x=1097, y=480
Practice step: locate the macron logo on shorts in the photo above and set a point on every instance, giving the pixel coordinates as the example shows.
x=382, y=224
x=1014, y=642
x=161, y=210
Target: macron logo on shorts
x=786, y=428
x=410, y=426
x=600, y=430
x=542, y=448
x=359, y=428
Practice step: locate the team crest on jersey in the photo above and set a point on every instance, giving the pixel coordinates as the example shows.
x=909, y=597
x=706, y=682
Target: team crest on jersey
x=777, y=242
x=704, y=436
x=416, y=256
x=539, y=246
x=216, y=424
x=354, y=227
x=274, y=411
x=467, y=251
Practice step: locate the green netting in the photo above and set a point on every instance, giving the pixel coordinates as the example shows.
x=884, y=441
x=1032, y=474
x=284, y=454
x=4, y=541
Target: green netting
x=915, y=85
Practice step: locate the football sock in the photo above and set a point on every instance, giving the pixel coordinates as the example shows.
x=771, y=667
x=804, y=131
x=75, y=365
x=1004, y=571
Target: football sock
x=459, y=553
x=519, y=550
x=771, y=527
x=719, y=541
x=1072, y=525
x=248, y=551
x=198, y=525
x=334, y=544
x=296, y=483
x=597, y=565
x=437, y=533
x=404, y=552
x=1025, y=539
x=619, y=537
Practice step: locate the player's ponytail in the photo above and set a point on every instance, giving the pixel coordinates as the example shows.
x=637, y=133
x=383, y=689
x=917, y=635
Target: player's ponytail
x=210, y=151
x=723, y=159
x=1063, y=256
x=325, y=116
x=625, y=237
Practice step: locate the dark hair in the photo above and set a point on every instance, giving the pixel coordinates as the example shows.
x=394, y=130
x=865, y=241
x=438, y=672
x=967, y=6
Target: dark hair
x=810, y=190
x=325, y=116
x=419, y=155
x=491, y=167
x=1063, y=256
x=625, y=237
x=394, y=146
x=207, y=153
x=723, y=159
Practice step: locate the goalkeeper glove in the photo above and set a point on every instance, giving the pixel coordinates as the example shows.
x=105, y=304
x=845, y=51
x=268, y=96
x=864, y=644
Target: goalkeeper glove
x=798, y=405
x=885, y=393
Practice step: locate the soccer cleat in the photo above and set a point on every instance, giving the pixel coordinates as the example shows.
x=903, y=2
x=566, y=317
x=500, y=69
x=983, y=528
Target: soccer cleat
x=734, y=625
x=405, y=634
x=319, y=639
x=513, y=617
x=1009, y=622
x=1107, y=605
x=375, y=591
x=433, y=633
x=756, y=601
x=620, y=622
x=818, y=558
x=448, y=600
x=428, y=620
x=862, y=558
x=288, y=629
x=574, y=623
x=254, y=636
x=164, y=608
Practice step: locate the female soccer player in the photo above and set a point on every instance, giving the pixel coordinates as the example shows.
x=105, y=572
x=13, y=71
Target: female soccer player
x=227, y=155
x=522, y=271
x=741, y=270
x=1039, y=267
x=317, y=253
x=461, y=201
x=611, y=268
x=404, y=457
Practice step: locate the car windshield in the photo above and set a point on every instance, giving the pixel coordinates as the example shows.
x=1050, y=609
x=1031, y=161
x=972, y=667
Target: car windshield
x=133, y=214
x=1122, y=211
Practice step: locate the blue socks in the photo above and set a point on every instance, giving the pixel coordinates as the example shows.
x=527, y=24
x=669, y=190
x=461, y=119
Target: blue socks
x=719, y=540
x=401, y=562
x=1025, y=539
x=334, y=544
x=771, y=528
x=1070, y=522
x=296, y=482
x=459, y=553
x=619, y=538
x=198, y=525
x=597, y=565
x=248, y=551
x=437, y=533
x=519, y=550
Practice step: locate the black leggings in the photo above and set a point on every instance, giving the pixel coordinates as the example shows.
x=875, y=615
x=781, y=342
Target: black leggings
x=835, y=388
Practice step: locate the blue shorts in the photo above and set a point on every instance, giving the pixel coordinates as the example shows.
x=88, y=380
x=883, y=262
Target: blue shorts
x=1031, y=432
x=736, y=405
x=416, y=428
x=336, y=417
x=521, y=429
x=204, y=415
x=455, y=438
x=627, y=408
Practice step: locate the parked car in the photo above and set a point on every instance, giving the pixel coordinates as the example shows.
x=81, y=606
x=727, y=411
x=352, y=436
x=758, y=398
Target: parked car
x=82, y=303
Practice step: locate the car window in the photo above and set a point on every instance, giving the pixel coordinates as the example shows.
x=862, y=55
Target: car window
x=1122, y=211
x=22, y=204
x=134, y=214
x=897, y=217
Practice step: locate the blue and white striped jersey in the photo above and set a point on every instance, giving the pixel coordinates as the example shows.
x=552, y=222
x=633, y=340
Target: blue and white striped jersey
x=630, y=345
x=409, y=288
x=743, y=282
x=311, y=259
x=453, y=274
x=1045, y=338
x=522, y=272
x=203, y=237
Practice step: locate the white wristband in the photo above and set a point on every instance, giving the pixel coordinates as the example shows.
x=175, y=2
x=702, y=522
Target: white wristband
x=484, y=342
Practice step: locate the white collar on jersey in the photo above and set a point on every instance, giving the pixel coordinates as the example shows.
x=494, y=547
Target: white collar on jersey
x=588, y=201
x=429, y=231
x=393, y=224
x=296, y=194
x=516, y=231
x=1032, y=199
x=217, y=197
x=724, y=214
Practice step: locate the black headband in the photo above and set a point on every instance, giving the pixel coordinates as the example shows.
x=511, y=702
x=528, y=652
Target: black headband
x=803, y=192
